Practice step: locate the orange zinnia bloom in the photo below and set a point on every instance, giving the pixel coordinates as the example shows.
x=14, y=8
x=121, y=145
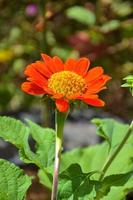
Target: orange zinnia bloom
x=65, y=82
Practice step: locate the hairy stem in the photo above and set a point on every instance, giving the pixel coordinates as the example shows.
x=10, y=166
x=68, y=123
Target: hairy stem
x=59, y=122
x=117, y=150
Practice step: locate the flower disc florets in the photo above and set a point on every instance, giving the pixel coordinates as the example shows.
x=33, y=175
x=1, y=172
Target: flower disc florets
x=67, y=83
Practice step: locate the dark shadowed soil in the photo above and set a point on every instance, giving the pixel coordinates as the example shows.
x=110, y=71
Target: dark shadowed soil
x=36, y=191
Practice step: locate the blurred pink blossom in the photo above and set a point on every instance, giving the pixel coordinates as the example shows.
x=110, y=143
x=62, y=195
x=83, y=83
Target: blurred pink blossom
x=31, y=10
x=81, y=42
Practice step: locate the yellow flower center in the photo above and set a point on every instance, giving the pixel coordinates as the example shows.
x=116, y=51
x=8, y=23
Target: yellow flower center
x=67, y=83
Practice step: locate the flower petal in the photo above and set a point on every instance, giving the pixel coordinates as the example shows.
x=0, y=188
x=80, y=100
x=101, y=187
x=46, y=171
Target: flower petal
x=58, y=63
x=94, y=90
x=74, y=96
x=32, y=88
x=94, y=102
x=70, y=64
x=47, y=90
x=88, y=96
x=82, y=66
x=62, y=105
x=98, y=84
x=49, y=62
x=35, y=76
x=57, y=96
x=94, y=74
x=43, y=69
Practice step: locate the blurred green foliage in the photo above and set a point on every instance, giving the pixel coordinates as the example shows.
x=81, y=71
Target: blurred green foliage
x=98, y=29
x=129, y=83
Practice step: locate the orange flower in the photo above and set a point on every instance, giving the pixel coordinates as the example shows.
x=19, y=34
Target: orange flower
x=65, y=82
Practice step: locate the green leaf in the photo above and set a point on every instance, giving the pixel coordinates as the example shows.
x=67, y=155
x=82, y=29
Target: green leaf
x=13, y=131
x=120, y=192
x=110, y=130
x=122, y=8
x=17, y=133
x=94, y=157
x=126, y=85
x=81, y=15
x=112, y=180
x=45, y=144
x=13, y=182
x=74, y=184
x=129, y=83
x=46, y=177
x=64, y=53
x=110, y=26
x=128, y=78
x=117, y=179
x=89, y=158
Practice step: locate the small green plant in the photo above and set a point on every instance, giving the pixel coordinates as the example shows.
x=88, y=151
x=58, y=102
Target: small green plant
x=129, y=83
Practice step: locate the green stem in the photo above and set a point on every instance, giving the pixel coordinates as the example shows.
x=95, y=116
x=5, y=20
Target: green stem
x=117, y=150
x=59, y=122
x=98, y=11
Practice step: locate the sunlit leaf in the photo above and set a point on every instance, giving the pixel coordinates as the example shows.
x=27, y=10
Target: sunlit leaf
x=81, y=15
x=13, y=183
x=88, y=158
x=45, y=144
x=122, y=8
x=110, y=26
x=17, y=133
x=111, y=130
x=129, y=83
